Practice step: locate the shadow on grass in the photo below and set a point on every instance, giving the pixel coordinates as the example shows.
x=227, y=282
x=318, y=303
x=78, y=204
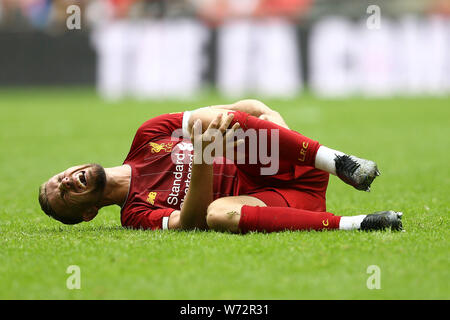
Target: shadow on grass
x=71, y=229
x=106, y=229
x=117, y=228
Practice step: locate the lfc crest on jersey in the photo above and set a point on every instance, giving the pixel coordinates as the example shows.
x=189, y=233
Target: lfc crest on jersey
x=156, y=147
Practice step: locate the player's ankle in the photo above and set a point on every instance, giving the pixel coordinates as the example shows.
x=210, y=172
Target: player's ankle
x=325, y=159
x=351, y=222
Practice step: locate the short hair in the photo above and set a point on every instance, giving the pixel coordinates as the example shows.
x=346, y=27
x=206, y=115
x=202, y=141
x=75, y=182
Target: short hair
x=45, y=206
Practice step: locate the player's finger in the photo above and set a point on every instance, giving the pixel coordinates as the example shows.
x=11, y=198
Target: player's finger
x=226, y=122
x=229, y=136
x=208, y=135
x=239, y=142
x=230, y=132
x=235, y=126
x=196, y=129
x=216, y=121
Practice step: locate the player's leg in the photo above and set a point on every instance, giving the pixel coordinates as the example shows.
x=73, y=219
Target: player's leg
x=241, y=214
x=298, y=149
x=224, y=213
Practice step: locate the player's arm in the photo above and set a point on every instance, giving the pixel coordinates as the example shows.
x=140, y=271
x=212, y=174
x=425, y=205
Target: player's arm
x=200, y=193
x=253, y=107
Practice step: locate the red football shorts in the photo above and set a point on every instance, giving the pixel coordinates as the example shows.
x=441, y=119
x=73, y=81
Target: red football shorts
x=302, y=188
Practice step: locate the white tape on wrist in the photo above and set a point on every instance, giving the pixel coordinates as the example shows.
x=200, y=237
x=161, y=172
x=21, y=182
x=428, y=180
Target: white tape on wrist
x=165, y=223
x=185, y=124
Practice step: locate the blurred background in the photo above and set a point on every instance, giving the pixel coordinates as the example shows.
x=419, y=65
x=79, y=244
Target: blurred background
x=152, y=49
x=371, y=78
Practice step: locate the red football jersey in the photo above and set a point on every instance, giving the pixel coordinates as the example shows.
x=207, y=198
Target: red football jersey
x=161, y=172
x=161, y=163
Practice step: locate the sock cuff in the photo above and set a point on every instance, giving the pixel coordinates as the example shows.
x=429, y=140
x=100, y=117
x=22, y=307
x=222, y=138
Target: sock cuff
x=351, y=222
x=324, y=159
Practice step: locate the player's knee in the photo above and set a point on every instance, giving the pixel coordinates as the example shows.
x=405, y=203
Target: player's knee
x=219, y=216
x=214, y=215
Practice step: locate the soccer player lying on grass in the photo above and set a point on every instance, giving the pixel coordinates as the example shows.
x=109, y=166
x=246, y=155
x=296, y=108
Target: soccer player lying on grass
x=165, y=182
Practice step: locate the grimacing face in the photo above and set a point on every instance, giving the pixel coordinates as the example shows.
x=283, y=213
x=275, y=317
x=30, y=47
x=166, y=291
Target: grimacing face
x=76, y=190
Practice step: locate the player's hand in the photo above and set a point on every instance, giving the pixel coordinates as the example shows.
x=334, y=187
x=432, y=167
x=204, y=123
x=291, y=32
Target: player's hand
x=255, y=108
x=217, y=137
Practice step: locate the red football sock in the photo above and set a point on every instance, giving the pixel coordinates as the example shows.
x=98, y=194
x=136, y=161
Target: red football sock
x=272, y=219
x=293, y=146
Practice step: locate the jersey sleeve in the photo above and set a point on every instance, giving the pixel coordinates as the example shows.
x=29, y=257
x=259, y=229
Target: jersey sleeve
x=172, y=125
x=143, y=217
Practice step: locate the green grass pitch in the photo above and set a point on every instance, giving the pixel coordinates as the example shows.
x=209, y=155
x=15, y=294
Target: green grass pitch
x=44, y=131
